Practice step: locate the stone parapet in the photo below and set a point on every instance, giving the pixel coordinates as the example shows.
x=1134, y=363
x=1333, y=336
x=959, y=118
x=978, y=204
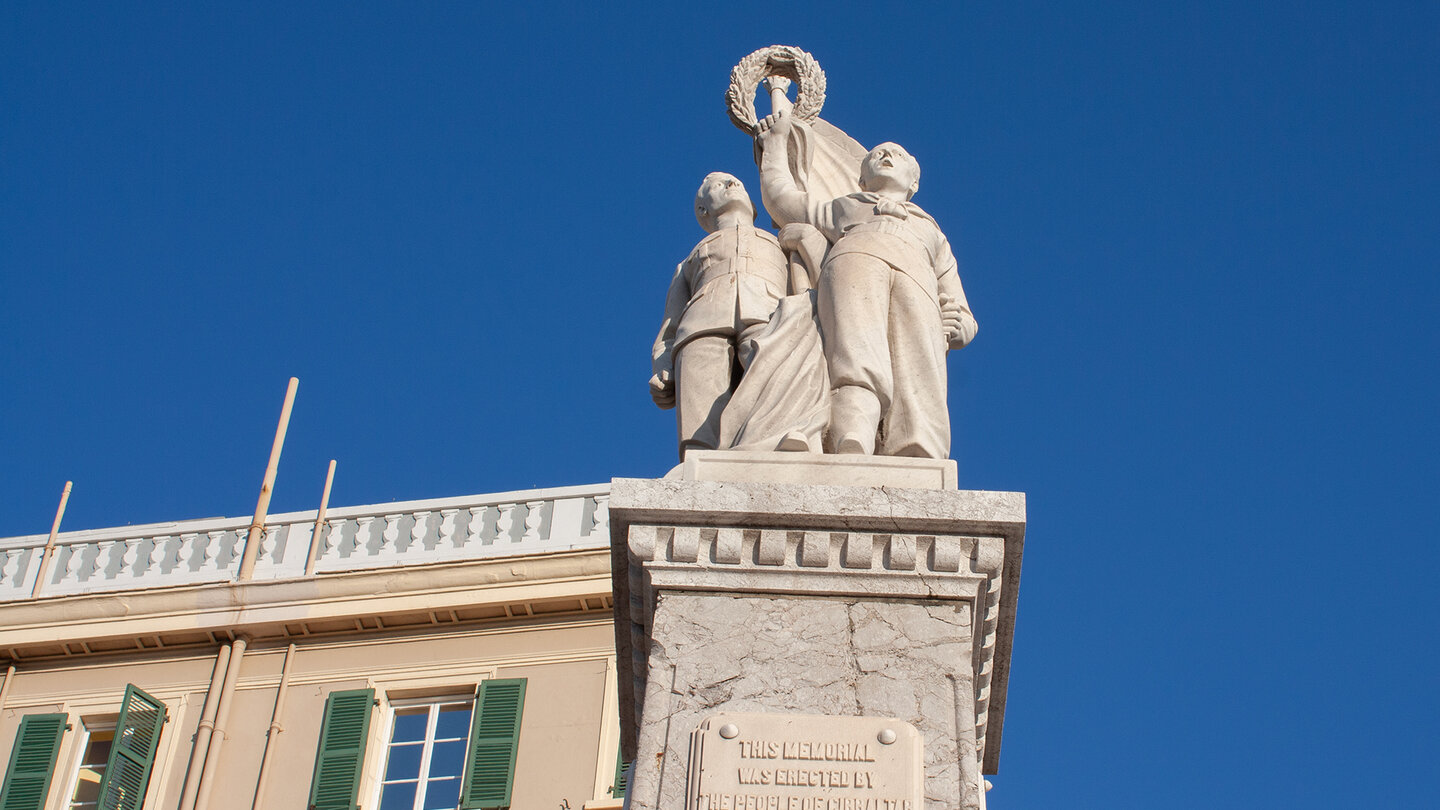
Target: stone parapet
x=440, y=530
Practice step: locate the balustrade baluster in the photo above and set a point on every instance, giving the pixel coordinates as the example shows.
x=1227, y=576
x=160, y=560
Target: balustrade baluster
x=166, y=557
x=391, y=535
x=325, y=540
x=600, y=523
x=89, y=561
x=505, y=522
x=199, y=550
x=533, y=518
x=474, y=530
x=156, y=557
x=31, y=559
x=269, y=544
x=418, y=529
x=144, y=555
x=364, y=528
x=89, y=555
x=129, y=557
x=232, y=549
x=112, y=560
x=69, y=564
x=335, y=540
x=11, y=557
x=447, y=528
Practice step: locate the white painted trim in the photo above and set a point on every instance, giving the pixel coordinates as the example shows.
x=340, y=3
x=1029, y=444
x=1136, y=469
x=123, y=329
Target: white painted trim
x=609, y=740
x=82, y=731
x=389, y=707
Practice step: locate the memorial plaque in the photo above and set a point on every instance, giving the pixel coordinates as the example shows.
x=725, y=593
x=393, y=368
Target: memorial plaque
x=743, y=761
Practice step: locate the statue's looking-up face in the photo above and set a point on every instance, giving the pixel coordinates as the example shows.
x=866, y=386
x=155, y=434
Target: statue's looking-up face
x=720, y=192
x=889, y=167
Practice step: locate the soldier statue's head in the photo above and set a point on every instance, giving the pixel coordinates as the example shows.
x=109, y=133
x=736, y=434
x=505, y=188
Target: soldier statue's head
x=890, y=167
x=719, y=193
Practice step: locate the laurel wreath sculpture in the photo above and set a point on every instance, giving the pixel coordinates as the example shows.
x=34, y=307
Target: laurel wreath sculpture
x=777, y=60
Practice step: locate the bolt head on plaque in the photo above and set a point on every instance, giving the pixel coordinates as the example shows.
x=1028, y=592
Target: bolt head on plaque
x=886, y=736
x=729, y=731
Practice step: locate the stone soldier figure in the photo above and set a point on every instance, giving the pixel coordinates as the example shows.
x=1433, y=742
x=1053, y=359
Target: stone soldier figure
x=722, y=294
x=890, y=302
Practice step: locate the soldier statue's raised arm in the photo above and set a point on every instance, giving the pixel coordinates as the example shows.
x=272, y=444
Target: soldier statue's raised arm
x=890, y=303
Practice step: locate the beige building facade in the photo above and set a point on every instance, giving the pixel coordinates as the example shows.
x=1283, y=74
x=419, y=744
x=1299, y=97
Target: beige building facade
x=453, y=653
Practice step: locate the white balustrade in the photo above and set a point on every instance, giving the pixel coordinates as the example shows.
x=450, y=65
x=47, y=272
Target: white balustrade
x=352, y=538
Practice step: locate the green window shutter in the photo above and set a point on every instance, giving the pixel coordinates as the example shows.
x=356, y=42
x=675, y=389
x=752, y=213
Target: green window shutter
x=494, y=739
x=343, y=735
x=137, y=736
x=32, y=762
x=617, y=788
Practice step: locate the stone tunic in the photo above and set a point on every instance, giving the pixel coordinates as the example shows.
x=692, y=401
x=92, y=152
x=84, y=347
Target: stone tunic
x=733, y=279
x=912, y=244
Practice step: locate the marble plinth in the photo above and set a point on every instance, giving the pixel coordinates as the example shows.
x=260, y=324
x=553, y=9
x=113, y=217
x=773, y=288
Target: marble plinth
x=836, y=470
x=871, y=601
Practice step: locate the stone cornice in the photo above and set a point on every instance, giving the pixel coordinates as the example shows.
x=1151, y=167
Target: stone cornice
x=575, y=581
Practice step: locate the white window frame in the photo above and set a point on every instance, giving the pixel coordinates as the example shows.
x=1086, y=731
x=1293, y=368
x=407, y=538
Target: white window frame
x=101, y=709
x=388, y=727
x=88, y=726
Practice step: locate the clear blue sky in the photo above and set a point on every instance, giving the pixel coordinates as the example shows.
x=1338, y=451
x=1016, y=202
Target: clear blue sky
x=1202, y=243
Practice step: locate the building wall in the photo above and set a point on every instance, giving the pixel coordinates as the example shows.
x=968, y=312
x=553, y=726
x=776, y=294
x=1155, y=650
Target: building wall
x=567, y=740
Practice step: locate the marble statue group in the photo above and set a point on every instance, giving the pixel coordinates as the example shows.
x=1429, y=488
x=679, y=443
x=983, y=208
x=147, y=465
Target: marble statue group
x=832, y=335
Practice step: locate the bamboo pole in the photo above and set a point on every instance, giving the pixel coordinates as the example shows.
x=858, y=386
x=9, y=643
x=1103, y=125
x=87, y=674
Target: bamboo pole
x=49, y=551
x=262, y=506
x=319, y=521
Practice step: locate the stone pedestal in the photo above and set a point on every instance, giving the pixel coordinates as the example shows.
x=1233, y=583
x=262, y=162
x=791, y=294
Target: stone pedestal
x=772, y=596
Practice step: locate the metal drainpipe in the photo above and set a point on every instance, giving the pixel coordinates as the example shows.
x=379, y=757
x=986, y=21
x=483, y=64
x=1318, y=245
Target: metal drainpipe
x=222, y=718
x=206, y=729
x=5, y=690
x=275, y=727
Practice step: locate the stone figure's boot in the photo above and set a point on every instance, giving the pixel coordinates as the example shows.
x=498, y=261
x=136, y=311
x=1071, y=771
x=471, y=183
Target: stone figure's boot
x=794, y=442
x=854, y=420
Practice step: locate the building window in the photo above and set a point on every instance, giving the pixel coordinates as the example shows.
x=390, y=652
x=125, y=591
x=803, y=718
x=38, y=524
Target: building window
x=98, y=737
x=425, y=758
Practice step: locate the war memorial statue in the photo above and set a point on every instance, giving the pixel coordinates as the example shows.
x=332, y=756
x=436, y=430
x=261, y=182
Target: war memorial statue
x=809, y=614
x=888, y=299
